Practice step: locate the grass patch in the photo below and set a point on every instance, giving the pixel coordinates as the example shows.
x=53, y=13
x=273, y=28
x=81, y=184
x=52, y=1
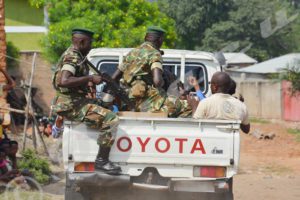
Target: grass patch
x=11, y=22
x=24, y=195
x=295, y=132
x=259, y=121
x=19, y=12
x=277, y=169
x=26, y=41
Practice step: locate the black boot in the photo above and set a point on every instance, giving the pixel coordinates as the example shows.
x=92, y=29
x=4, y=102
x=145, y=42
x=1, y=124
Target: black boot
x=102, y=162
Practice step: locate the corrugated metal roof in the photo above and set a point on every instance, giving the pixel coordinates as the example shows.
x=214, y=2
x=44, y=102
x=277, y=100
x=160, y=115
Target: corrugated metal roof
x=273, y=65
x=237, y=58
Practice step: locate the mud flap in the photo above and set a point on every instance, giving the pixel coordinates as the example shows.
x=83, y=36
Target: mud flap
x=82, y=186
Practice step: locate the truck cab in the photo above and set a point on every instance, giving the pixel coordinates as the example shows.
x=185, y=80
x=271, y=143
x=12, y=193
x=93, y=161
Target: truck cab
x=175, y=158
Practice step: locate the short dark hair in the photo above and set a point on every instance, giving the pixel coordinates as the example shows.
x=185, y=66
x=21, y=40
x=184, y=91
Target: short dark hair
x=232, y=87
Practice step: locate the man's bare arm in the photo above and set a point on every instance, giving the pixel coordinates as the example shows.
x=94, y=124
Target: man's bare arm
x=157, y=77
x=69, y=81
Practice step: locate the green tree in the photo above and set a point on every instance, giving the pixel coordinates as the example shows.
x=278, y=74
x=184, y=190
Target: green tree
x=193, y=17
x=12, y=53
x=117, y=23
x=245, y=29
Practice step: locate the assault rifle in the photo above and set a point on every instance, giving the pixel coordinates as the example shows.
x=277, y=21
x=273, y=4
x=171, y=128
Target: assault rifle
x=112, y=85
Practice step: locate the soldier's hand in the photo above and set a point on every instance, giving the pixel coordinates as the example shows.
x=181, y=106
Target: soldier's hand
x=97, y=79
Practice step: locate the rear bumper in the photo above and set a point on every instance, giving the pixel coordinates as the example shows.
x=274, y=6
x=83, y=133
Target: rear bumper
x=95, y=180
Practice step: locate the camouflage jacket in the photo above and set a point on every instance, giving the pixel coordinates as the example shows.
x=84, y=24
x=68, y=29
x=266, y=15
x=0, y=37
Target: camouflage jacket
x=68, y=99
x=137, y=63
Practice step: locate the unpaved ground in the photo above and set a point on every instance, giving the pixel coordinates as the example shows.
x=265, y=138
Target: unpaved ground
x=269, y=169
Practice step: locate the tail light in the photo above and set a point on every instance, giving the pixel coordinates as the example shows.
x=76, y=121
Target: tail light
x=84, y=167
x=209, y=171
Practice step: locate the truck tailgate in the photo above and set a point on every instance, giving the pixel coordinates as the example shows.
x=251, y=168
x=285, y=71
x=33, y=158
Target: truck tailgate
x=165, y=141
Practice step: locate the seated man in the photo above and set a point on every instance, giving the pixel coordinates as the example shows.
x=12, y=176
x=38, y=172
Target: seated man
x=142, y=73
x=72, y=81
x=221, y=105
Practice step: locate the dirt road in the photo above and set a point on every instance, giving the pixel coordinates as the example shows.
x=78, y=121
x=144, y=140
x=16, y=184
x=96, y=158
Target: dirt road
x=269, y=169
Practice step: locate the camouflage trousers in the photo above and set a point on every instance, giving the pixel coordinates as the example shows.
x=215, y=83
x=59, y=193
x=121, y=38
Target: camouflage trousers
x=99, y=118
x=158, y=101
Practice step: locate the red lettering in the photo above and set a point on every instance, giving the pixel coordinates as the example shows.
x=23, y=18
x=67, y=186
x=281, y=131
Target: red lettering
x=180, y=140
x=143, y=144
x=167, y=145
x=129, y=144
x=198, y=146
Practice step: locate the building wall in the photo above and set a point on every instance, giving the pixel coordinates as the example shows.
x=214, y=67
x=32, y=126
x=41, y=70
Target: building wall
x=291, y=103
x=263, y=98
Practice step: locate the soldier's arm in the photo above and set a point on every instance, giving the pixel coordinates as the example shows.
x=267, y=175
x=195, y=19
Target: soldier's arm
x=157, y=77
x=68, y=80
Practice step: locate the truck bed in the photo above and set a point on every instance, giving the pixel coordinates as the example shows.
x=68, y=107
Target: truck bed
x=172, y=146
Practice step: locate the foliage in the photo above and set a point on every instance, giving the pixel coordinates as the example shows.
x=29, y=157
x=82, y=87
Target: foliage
x=292, y=74
x=243, y=28
x=295, y=132
x=116, y=23
x=259, y=121
x=193, y=17
x=12, y=53
x=36, y=165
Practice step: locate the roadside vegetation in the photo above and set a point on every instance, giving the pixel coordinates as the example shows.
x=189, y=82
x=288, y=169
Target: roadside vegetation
x=38, y=166
x=12, y=53
x=295, y=132
x=259, y=121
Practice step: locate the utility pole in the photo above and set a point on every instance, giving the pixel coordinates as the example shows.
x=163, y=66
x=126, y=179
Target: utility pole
x=2, y=36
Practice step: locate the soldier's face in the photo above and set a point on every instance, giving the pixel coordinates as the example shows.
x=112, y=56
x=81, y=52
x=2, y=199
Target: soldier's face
x=86, y=45
x=160, y=41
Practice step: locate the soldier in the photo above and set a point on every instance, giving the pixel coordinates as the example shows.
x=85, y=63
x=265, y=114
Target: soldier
x=71, y=81
x=141, y=71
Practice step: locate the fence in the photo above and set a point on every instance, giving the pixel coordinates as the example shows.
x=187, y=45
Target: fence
x=270, y=100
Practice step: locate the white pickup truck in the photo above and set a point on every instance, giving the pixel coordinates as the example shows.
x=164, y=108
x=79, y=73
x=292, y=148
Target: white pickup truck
x=161, y=158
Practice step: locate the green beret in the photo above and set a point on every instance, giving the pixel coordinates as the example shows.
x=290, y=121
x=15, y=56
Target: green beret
x=155, y=29
x=82, y=31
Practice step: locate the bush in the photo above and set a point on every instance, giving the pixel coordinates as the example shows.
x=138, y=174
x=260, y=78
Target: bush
x=39, y=167
x=13, y=53
x=292, y=74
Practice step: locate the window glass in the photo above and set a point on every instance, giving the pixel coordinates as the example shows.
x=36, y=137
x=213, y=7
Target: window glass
x=108, y=67
x=197, y=71
x=174, y=68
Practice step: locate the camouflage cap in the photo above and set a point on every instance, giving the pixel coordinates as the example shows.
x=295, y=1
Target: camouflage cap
x=82, y=31
x=156, y=29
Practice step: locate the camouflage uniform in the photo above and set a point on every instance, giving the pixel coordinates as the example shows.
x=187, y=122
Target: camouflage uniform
x=72, y=103
x=137, y=76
